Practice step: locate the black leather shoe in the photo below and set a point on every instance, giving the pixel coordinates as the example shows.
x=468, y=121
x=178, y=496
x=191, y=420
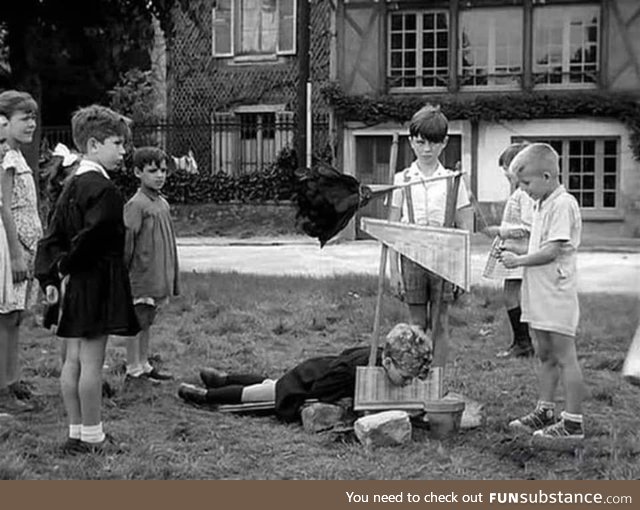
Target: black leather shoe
x=213, y=378
x=192, y=394
x=156, y=375
x=517, y=352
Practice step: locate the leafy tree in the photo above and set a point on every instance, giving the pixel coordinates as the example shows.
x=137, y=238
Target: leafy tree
x=69, y=53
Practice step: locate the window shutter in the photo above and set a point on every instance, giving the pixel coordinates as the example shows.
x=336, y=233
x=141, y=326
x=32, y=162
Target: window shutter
x=286, y=27
x=222, y=29
x=224, y=142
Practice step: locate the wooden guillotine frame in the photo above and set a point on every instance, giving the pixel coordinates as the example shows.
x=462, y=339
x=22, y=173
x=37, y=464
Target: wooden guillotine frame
x=444, y=251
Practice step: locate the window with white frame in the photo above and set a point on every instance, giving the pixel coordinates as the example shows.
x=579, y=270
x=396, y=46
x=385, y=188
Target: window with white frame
x=491, y=47
x=250, y=138
x=418, y=49
x=253, y=28
x=565, y=45
x=589, y=170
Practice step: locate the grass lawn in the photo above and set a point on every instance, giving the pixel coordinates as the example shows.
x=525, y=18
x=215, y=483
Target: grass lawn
x=268, y=324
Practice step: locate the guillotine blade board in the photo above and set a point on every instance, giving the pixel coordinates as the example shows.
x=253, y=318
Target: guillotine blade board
x=445, y=251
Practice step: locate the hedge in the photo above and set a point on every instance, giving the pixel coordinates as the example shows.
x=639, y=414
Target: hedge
x=276, y=183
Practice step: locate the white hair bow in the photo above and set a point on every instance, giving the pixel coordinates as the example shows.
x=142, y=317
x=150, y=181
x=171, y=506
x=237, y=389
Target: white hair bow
x=68, y=157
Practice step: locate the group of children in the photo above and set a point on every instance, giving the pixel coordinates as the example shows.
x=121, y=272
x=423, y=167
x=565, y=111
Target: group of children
x=108, y=266
x=534, y=252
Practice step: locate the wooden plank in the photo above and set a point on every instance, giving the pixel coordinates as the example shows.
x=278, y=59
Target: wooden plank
x=445, y=251
x=378, y=394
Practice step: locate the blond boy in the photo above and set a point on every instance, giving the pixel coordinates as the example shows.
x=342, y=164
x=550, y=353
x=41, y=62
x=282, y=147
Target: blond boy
x=549, y=292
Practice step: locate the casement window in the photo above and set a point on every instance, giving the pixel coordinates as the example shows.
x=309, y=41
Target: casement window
x=491, y=48
x=589, y=169
x=253, y=29
x=565, y=45
x=250, y=138
x=418, y=56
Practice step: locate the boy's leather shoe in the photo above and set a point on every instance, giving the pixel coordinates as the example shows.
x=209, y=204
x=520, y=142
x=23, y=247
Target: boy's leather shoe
x=21, y=390
x=156, y=375
x=12, y=406
x=516, y=352
x=193, y=394
x=213, y=378
x=108, y=446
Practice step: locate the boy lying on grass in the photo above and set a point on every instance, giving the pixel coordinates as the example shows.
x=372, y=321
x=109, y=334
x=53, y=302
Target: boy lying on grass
x=406, y=354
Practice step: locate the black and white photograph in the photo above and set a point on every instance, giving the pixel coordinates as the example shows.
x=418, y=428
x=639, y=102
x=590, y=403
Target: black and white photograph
x=320, y=240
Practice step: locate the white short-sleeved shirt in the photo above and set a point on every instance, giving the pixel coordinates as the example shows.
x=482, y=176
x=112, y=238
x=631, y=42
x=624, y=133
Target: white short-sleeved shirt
x=429, y=199
x=550, y=291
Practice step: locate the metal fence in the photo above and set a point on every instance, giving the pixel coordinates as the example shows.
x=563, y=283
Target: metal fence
x=235, y=144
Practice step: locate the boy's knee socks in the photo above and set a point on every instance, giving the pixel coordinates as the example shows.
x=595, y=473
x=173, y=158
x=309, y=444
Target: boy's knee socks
x=520, y=329
x=225, y=395
x=244, y=379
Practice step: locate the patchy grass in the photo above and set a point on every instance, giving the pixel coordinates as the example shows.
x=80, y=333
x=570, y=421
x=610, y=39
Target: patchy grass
x=267, y=324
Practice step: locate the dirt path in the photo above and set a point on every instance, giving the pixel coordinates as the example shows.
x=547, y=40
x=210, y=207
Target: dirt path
x=598, y=271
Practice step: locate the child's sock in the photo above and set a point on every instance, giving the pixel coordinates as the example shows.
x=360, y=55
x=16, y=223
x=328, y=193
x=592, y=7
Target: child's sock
x=572, y=422
x=74, y=431
x=244, y=379
x=225, y=395
x=147, y=368
x=542, y=404
x=92, y=434
x=135, y=370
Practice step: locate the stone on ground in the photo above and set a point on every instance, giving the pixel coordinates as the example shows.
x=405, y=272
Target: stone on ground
x=389, y=428
x=318, y=417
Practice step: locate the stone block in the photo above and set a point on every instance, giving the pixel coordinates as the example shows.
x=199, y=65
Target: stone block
x=318, y=417
x=389, y=428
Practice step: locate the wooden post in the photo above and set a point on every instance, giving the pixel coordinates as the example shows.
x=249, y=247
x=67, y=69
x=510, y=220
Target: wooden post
x=440, y=319
x=303, y=78
x=375, y=340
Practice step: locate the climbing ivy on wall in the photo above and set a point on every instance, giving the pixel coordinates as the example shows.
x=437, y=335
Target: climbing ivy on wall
x=492, y=107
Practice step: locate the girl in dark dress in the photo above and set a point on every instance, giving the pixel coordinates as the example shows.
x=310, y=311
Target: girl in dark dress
x=406, y=354
x=82, y=253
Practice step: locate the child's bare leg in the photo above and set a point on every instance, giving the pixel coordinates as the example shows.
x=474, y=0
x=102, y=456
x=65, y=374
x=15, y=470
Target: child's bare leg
x=92, y=353
x=134, y=362
x=511, y=293
x=144, y=336
x=564, y=347
x=418, y=316
x=69, y=378
x=548, y=373
x=263, y=392
x=11, y=326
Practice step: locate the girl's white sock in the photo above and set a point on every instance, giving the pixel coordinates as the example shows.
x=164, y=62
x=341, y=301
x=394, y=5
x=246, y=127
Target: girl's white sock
x=92, y=434
x=74, y=431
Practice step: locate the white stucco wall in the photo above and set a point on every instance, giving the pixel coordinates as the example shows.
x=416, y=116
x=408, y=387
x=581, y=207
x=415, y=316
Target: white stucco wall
x=494, y=138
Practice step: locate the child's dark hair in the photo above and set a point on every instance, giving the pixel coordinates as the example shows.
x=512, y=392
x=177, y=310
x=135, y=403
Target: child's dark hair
x=429, y=123
x=148, y=155
x=97, y=122
x=12, y=101
x=511, y=152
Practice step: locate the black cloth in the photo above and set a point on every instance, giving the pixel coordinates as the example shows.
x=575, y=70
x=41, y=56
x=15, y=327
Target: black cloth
x=85, y=240
x=326, y=378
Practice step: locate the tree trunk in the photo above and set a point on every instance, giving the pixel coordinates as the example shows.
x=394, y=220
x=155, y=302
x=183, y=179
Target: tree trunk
x=22, y=40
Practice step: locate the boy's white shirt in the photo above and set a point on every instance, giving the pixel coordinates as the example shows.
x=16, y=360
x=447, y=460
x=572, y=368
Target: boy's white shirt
x=429, y=199
x=91, y=166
